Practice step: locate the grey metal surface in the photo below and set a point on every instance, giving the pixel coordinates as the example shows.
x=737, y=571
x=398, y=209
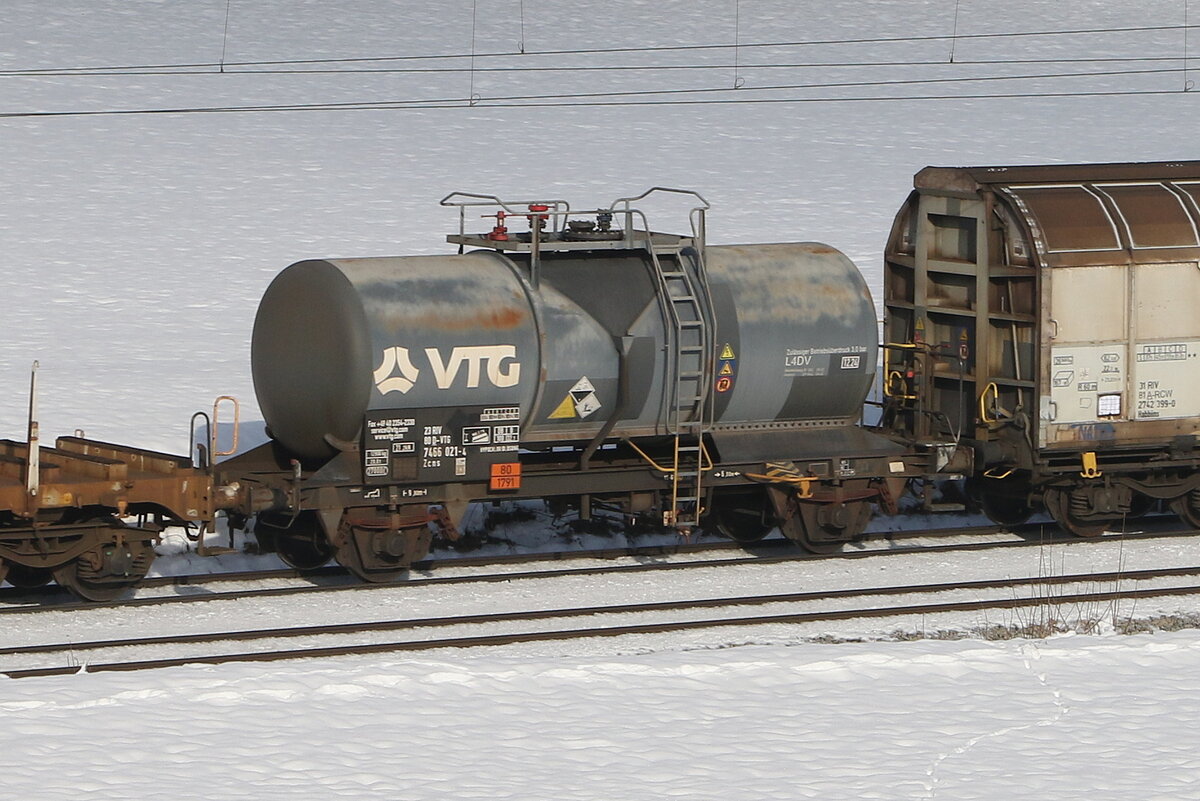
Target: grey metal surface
x=336, y=338
x=800, y=323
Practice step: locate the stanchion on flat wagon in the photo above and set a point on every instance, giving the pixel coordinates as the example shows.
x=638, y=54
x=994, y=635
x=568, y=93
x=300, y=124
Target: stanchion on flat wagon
x=33, y=452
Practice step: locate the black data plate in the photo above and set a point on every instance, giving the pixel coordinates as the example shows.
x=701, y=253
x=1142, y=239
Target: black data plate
x=451, y=443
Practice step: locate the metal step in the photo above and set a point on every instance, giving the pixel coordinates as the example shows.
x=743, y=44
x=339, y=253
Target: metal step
x=947, y=507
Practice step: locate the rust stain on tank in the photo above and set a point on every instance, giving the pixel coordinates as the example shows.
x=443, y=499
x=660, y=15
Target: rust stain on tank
x=504, y=318
x=455, y=294
x=801, y=281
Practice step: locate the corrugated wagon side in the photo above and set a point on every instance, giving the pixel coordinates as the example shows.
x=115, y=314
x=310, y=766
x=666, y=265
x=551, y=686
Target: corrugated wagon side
x=1048, y=317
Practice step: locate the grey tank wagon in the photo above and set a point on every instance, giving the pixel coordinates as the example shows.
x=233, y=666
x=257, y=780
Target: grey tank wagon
x=587, y=360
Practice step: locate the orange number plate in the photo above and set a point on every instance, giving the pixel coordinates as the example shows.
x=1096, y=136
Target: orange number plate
x=506, y=476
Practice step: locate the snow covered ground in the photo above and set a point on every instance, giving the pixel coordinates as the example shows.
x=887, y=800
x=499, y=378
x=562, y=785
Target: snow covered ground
x=136, y=247
x=1074, y=718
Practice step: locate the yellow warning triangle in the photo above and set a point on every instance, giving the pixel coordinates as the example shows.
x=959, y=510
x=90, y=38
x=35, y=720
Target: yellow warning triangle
x=727, y=352
x=566, y=409
x=726, y=369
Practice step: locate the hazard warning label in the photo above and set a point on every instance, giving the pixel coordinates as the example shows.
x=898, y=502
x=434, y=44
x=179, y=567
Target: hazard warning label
x=579, y=402
x=726, y=368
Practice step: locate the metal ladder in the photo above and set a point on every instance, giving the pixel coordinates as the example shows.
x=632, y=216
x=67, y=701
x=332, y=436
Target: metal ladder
x=690, y=358
x=690, y=367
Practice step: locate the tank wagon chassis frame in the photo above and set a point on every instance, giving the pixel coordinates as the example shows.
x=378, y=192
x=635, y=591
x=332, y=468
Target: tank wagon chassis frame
x=378, y=531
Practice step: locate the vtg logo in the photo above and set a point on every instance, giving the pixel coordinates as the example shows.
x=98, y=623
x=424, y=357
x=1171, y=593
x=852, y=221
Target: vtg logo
x=490, y=360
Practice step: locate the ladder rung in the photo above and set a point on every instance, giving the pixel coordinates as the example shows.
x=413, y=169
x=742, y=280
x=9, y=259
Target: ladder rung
x=691, y=323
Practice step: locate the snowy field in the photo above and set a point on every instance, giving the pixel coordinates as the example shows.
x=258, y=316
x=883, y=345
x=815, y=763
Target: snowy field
x=1075, y=718
x=136, y=247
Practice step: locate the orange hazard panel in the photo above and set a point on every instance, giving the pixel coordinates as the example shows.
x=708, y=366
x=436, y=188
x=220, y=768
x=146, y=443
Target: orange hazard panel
x=506, y=476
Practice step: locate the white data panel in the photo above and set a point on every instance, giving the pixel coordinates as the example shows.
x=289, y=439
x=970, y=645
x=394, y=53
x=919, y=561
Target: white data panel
x=1087, y=383
x=1166, y=380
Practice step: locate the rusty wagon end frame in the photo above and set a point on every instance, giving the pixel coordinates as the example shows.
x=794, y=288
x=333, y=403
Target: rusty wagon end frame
x=1047, y=315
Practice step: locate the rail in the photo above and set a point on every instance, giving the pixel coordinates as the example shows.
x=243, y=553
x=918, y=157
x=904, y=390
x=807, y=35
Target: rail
x=1009, y=600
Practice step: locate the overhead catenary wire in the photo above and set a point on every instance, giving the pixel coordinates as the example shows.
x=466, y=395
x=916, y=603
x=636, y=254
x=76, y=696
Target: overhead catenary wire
x=822, y=85
x=498, y=104
x=622, y=67
x=600, y=50
x=656, y=96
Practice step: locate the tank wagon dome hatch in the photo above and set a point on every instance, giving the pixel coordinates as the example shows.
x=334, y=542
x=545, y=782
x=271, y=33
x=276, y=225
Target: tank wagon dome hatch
x=1048, y=314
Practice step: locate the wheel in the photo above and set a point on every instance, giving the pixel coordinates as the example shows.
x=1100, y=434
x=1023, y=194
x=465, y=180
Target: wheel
x=1142, y=505
x=1188, y=508
x=28, y=578
x=300, y=541
x=1004, y=500
x=106, y=572
x=1058, y=503
x=825, y=528
x=740, y=516
x=373, y=550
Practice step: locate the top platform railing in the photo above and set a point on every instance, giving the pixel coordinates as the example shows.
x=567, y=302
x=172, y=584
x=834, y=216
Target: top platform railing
x=555, y=226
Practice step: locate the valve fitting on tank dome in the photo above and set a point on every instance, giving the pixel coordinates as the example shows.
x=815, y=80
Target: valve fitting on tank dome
x=500, y=231
x=589, y=231
x=538, y=216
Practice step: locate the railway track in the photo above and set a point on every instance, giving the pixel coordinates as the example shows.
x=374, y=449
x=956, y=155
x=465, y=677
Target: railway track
x=337, y=580
x=334, y=572
x=647, y=618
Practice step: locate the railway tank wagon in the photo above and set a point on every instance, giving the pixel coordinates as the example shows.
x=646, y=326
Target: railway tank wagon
x=1046, y=316
x=588, y=360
